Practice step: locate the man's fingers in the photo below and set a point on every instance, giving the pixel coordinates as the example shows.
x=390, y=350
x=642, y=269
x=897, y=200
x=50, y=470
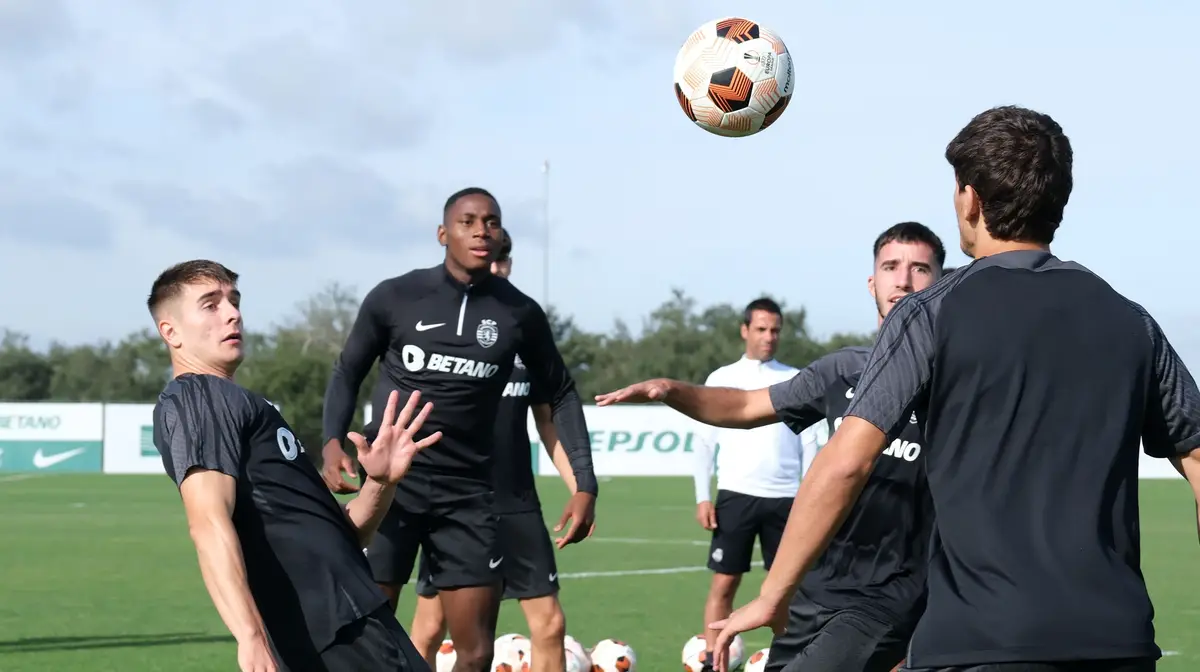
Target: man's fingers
x=389, y=411
x=407, y=411
x=360, y=443
x=428, y=441
x=417, y=423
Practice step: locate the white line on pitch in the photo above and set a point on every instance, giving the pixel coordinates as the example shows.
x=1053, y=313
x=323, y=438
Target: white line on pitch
x=632, y=572
x=17, y=477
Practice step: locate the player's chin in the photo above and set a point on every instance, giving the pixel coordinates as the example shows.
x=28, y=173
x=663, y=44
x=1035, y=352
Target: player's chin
x=231, y=352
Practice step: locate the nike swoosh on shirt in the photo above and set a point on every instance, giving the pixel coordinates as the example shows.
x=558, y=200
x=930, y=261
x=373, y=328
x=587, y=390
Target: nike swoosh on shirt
x=427, y=327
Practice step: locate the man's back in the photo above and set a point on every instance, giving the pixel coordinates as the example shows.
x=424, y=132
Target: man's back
x=304, y=564
x=1043, y=380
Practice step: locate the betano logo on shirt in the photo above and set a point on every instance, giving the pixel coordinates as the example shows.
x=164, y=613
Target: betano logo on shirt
x=512, y=389
x=908, y=451
x=415, y=360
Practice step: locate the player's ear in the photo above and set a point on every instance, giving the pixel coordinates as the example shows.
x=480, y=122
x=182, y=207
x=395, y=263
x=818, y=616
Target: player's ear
x=168, y=333
x=441, y=235
x=871, y=285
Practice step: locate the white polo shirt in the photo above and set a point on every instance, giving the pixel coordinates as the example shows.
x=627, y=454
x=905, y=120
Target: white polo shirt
x=766, y=461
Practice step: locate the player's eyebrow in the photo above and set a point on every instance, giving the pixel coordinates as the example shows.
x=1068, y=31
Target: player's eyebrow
x=209, y=296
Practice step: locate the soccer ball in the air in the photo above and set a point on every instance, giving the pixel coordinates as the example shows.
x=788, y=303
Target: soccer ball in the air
x=613, y=655
x=445, y=657
x=733, y=77
x=694, y=649
x=758, y=661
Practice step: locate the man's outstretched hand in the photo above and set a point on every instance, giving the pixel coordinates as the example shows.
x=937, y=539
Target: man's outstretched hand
x=639, y=393
x=581, y=511
x=758, y=613
x=388, y=458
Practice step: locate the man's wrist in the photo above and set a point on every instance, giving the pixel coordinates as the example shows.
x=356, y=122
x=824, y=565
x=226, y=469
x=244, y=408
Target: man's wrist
x=251, y=635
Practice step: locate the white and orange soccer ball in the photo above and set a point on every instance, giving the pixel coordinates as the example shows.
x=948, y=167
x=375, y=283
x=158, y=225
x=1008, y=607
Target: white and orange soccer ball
x=613, y=655
x=694, y=649
x=693, y=653
x=578, y=659
x=511, y=653
x=444, y=661
x=733, y=77
x=758, y=661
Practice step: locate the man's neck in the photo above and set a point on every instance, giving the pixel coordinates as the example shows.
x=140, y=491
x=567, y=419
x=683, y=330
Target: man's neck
x=752, y=358
x=197, y=368
x=988, y=247
x=463, y=275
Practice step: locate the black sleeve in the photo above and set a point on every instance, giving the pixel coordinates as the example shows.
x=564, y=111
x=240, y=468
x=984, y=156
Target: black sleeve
x=897, y=372
x=199, y=423
x=367, y=342
x=800, y=400
x=1172, y=425
x=549, y=375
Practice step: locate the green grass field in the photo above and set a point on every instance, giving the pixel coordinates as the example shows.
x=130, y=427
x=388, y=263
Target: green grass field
x=97, y=574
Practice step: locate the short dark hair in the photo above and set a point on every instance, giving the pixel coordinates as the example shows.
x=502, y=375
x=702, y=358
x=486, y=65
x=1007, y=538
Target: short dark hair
x=1019, y=162
x=505, y=246
x=463, y=193
x=765, y=304
x=170, y=283
x=911, y=232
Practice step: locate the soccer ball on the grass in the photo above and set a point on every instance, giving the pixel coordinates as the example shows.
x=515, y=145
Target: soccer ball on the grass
x=578, y=659
x=445, y=657
x=693, y=654
x=613, y=655
x=694, y=649
x=733, y=77
x=758, y=661
x=510, y=653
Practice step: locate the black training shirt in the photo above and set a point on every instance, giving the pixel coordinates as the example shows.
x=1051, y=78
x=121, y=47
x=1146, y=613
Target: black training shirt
x=1036, y=380
x=304, y=564
x=512, y=461
x=877, y=560
x=456, y=344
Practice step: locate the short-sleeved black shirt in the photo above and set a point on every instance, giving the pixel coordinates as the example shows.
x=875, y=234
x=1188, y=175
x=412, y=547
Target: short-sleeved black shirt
x=304, y=564
x=1036, y=381
x=512, y=458
x=876, y=562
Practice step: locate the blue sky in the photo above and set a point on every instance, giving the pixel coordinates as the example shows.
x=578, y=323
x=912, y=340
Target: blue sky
x=303, y=142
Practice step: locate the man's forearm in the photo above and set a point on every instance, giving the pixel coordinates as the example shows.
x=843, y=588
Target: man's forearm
x=224, y=572
x=544, y=421
x=719, y=406
x=340, y=397
x=571, y=426
x=826, y=495
x=367, y=510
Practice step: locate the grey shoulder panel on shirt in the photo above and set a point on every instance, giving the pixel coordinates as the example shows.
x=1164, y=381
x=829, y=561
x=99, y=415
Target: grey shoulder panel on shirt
x=200, y=422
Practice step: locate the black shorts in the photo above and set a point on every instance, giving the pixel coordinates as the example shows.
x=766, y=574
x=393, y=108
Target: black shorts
x=373, y=643
x=740, y=520
x=458, y=533
x=818, y=639
x=1124, y=665
x=528, y=570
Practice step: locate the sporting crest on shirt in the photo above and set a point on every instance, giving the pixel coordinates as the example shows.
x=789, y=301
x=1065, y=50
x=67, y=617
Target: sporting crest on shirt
x=518, y=363
x=487, y=333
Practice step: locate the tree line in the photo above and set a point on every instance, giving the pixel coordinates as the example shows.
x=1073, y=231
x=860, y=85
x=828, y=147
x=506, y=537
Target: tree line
x=290, y=363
